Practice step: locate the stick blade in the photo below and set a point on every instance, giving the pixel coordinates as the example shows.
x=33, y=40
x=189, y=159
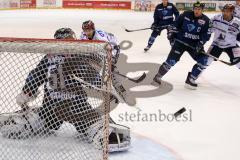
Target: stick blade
x=140, y=79
x=127, y=30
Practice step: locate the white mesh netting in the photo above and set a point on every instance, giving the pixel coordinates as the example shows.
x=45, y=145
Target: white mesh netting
x=54, y=99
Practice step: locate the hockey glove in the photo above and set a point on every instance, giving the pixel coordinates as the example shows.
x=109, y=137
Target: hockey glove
x=22, y=99
x=171, y=34
x=155, y=27
x=199, y=47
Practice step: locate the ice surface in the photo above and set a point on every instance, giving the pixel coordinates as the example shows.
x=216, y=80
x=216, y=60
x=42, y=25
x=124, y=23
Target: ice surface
x=213, y=133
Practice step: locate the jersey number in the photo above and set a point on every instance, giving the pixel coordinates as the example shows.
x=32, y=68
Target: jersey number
x=55, y=77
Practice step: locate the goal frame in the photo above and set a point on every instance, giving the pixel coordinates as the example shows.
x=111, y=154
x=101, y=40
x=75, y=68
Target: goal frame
x=22, y=41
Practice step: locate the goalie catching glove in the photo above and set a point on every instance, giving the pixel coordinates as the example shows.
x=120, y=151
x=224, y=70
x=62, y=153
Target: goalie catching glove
x=21, y=125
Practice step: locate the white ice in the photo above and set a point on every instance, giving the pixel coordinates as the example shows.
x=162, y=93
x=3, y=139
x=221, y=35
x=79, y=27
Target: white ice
x=213, y=133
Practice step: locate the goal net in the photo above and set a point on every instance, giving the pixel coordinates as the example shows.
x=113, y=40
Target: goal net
x=54, y=99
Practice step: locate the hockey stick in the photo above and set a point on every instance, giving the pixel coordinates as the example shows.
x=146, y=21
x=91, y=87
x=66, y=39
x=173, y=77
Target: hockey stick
x=215, y=58
x=142, y=29
x=134, y=30
x=91, y=86
x=140, y=79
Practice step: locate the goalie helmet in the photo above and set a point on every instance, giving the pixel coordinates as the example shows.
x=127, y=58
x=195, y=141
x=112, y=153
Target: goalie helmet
x=229, y=7
x=65, y=33
x=88, y=25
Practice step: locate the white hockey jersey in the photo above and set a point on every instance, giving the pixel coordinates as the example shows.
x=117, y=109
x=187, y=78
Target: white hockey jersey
x=103, y=36
x=225, y=32
x=237, y=11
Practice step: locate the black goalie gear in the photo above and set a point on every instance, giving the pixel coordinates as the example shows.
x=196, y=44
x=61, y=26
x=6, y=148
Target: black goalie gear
x=65, y=33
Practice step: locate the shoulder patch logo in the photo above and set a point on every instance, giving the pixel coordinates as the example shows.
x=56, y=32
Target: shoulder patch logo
x=191, y=27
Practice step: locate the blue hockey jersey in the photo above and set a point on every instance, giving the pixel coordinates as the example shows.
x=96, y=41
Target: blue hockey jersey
x=192, y=29
x=163, y=15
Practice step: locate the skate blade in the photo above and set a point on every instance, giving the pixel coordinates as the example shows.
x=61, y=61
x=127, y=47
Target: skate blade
x=187, y=86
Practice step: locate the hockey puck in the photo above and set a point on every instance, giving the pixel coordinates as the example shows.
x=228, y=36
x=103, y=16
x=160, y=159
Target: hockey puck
x=178, y=113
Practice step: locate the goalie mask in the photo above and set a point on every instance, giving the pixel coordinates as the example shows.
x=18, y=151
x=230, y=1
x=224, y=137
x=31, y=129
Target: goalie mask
x=65, y=33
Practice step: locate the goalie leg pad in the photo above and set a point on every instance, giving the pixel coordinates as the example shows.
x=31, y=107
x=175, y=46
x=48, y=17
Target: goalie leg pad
x=20, y=125
x=119, y=137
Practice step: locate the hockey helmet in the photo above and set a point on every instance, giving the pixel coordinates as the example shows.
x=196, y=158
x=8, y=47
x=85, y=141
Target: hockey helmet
x=198, y=5
x=88, y=25
x=229, y=7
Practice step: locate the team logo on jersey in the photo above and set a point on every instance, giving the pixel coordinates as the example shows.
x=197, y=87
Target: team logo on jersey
x=201, y=22
x=191, y=27
x=164, y=12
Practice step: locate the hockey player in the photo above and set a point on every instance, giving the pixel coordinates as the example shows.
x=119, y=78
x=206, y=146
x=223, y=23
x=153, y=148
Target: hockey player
x=163, y=17
x=226, y=29
x=237, y=9
x=64, y=100
x=90, y=33
x=190, y=33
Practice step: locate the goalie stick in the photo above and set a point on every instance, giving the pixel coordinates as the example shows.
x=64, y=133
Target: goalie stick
x=91, y=86
x=140, y=79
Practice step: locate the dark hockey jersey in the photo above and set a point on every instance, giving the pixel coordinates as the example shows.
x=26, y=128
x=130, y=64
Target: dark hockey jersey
x=164, y=15
x=55, y=72
x=192, y=29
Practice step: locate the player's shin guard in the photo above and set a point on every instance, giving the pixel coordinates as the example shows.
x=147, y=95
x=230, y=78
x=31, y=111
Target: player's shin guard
x=150, y=42
x=163, y=69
